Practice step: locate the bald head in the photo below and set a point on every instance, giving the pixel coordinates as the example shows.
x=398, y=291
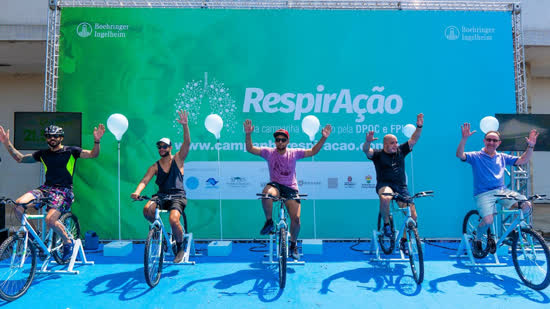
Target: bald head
x=390, y=143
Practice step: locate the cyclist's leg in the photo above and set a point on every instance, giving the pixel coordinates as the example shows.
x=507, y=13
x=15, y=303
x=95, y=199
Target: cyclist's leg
x=176, y=211
x=294, y=210
x=61, y=201
x=52, y=222
x=485, y=203
x=149, y=211
x=267, y=204
x=385, y=203
x=404, y=192
x=25, y=198
x=525, y=206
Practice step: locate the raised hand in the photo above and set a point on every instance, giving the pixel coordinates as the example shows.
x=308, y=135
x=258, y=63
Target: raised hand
x=370, y=137
x=419, y=120
x=98, y=132
x=182, y=117
x=4, y=135
x=532, y=139
x=326, y=130
x=466, y=130
x=248, y=127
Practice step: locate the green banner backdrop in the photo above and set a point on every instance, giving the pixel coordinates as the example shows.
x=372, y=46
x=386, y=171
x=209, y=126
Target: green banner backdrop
x=357, y=70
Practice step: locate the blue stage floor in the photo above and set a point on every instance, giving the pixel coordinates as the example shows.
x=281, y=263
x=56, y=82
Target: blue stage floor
x=340, y=278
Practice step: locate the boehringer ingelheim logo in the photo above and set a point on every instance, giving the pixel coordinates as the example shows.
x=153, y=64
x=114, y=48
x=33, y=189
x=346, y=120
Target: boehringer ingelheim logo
x=84, y=30
x=452, y=33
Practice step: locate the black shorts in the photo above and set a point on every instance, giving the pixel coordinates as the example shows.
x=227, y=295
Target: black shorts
x=176, y=203
x=285, y=191
x=404, y=195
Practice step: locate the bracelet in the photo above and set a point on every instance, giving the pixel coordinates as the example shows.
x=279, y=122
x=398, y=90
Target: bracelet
x=529, y=146
x=419, y=127
x=96, y=142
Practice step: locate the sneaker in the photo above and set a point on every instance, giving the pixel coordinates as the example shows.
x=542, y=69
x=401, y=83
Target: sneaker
x=387, y=230
x=509, y=240
x=180, y=252
x=403, y=246
x=478, y=245
x=67, y=251
x=268, y=228
x=492, y=245
x=294, y=251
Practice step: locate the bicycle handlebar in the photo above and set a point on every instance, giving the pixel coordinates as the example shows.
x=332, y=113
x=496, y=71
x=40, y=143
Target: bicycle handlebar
x=39, y=201
x=167, y=197
x=396, y=195
x=279, y=198
x=512, y=197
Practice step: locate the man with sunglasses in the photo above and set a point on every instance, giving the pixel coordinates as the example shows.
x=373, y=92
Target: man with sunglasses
x=389, y=163
x=59, y=163
x=282, y=172
x=169, y=178
x=488, y=167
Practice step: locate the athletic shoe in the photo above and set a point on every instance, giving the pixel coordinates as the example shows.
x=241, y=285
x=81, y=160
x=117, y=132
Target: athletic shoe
x=403, y=246
x=180, y=251
x=478, y=246
x=509, y=240
x=294, y=251
x=387, y=231
x=268, y=228
x=67, y=251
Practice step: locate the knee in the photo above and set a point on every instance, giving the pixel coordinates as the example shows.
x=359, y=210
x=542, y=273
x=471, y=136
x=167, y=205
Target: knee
x=488, y=220
x=296, y=220
x=174, y=219
x=50, y=222
x=526, y=206
x=385, y=200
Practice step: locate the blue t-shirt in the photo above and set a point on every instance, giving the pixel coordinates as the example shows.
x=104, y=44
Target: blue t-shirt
x=488, y=172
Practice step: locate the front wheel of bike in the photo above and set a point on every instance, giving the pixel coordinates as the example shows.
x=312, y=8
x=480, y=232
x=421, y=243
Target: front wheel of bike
x=282, y=257
x=72, y=228
x=531, y=258
x=469, y=227
x=153, y=256
x=416, y=255
x=387, y=244
x=17, y=267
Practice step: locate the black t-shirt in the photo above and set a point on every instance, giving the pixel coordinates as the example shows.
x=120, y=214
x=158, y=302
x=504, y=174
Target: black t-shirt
x=59, y=165
x=390, y=168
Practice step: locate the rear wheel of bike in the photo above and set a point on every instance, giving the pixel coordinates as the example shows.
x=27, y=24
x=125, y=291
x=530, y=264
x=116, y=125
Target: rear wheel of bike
x=469, y=227
x=72, y=227
x=17, y=267
x=153, y=256
x=531, y=258
x=387, y=244
x=282, y=257
x=416, y=256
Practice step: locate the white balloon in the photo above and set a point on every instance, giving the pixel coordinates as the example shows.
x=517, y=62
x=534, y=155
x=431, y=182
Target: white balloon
x=408, y=130
x=117, y=124
x=489, y=123
x=310, y=126
x=214, y=124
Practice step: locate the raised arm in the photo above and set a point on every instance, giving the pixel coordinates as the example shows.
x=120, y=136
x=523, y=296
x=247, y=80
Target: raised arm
x=16, y=155
x=366, y=146
x=465, y=128
x=531, y=141
x=152, y=171
x=248, y=128
x=98, y=134
x=317, y=147
x=184, y=150
x=416, y=135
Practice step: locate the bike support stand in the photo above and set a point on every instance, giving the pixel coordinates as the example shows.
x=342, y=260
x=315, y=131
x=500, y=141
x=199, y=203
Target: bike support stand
x=274, y=253
x=78, y=252
x=189, y=251
x=375, y=249
x=465, y=251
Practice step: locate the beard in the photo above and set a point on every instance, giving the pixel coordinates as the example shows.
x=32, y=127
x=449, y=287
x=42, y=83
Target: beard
x=165, y=154
x=53, y=143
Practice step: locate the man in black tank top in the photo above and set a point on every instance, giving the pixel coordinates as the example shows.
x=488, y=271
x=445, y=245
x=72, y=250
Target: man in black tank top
x=59, y=164
x=169, y=173
x=389, y=163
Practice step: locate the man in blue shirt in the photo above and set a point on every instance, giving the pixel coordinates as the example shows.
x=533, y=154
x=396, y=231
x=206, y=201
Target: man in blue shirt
x=488, y=167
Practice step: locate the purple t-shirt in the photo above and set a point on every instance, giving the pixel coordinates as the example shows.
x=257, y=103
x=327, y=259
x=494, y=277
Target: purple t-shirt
x=282, y=167
x=488, y=172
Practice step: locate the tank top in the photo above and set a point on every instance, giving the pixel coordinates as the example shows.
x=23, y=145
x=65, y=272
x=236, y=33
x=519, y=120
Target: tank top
x=171, y=182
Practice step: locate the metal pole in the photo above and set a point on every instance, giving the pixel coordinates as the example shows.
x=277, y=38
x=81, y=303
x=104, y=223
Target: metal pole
x=119, y=230
x=220, y=193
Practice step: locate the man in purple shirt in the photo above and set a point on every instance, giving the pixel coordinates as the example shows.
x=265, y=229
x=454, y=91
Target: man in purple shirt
x=282, y=175
x=488, y=168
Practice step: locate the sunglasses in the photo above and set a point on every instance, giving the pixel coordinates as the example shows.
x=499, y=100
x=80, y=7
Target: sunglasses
x=52, y=136
x=163, y=146
x=281, y=140
x=492, y=140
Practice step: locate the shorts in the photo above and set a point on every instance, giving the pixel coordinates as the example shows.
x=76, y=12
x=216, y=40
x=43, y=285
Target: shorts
x=285, y=191
x=61, y=197
x=404, y=195
x=176, y=203
x=486, y=202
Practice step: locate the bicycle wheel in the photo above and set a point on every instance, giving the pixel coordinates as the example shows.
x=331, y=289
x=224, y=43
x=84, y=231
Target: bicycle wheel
x=387, y=244
x=17, y=267
x=531, y=258
x=282, y=257
x=469, y=227
x=72, y=227
x=153, y=256
x=416, y=256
